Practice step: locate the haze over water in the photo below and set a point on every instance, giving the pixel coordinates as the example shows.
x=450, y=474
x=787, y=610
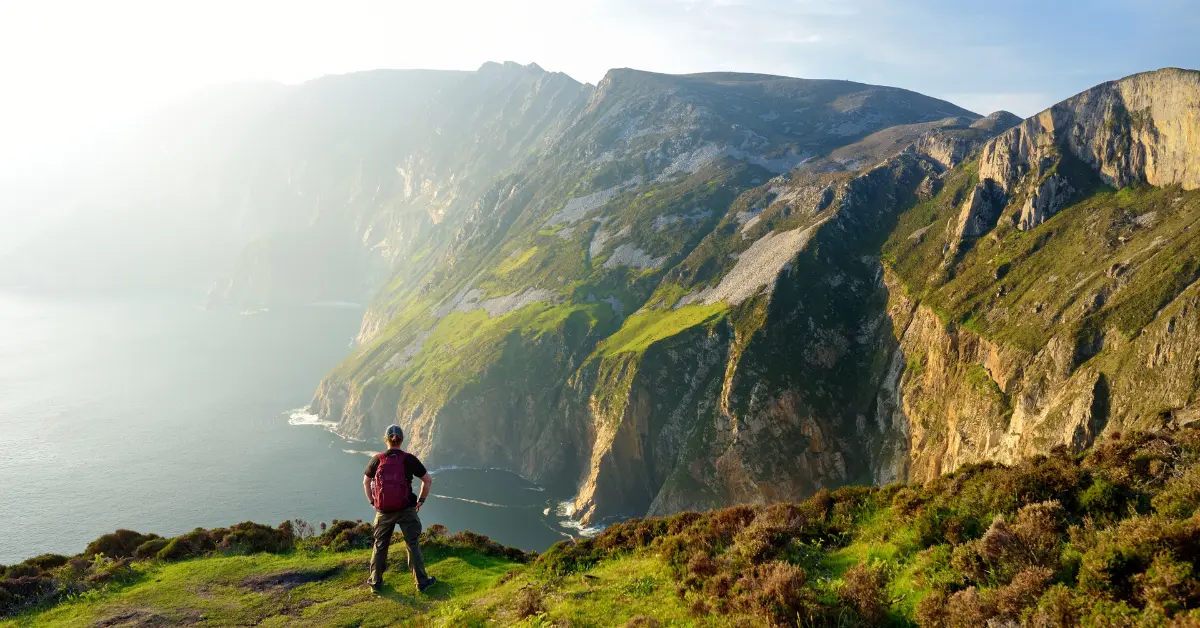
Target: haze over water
x=159, y=416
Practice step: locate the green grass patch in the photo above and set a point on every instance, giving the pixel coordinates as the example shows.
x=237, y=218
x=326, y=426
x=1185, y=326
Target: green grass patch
x=650, y=326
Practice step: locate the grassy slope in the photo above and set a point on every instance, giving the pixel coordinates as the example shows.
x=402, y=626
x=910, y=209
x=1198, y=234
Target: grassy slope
x=1138, y=245
x=1102, y=538
x=234, y=590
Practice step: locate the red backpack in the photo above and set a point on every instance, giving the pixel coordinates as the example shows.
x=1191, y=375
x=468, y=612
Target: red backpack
x=392, y=489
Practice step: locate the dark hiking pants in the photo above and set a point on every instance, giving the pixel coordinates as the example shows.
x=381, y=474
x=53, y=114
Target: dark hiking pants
x=410, y=527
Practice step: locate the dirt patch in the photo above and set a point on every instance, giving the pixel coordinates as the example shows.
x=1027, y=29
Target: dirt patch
x=142, y=619
x=288, y=580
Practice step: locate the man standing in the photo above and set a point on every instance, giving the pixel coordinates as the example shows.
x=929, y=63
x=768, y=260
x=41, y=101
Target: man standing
x=388, y=485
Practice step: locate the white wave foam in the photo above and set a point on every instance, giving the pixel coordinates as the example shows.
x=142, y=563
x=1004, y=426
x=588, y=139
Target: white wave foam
x=302, y=416
x=357, y=451
x=567, y=509
x=588, y=531
x=469, y=501
x=564, y=534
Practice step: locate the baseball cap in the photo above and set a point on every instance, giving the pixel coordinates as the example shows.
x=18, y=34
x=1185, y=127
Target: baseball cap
x=394, y=431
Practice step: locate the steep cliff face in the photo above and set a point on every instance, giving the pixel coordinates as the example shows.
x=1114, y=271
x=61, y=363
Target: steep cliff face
x=1140, y=129
x=414, y=152
x=720, y=289
x=595, y=321
x=1065, y=307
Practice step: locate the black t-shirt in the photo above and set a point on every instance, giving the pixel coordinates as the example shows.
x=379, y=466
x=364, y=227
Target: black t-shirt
x=412, y=469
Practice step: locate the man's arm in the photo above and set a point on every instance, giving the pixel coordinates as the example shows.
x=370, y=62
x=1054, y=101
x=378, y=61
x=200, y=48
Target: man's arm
x=367, y=489
x=426, y=486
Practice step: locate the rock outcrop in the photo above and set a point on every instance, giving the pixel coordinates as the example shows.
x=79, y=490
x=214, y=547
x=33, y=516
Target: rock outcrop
x=980, y=210
x=1024, y=343
x=1140, y=129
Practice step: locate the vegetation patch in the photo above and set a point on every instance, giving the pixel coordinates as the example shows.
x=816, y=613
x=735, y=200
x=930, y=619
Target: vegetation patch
x=650, y=326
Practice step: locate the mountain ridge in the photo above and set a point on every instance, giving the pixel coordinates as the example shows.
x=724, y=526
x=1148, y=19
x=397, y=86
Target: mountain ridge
x=683, y=292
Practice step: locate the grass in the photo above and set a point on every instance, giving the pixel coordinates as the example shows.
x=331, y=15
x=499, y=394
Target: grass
x=1136, y=247
x=226, y=591
x=515, y=261
x=650, y=326
x=221, y=591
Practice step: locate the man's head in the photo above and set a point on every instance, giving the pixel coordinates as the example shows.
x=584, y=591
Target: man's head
x=393, y=436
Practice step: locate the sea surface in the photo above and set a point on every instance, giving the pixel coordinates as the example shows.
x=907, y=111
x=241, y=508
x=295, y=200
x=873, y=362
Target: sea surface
x=159, y=416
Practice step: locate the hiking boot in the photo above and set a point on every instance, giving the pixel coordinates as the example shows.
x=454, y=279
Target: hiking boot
x=421, y=588
x=376, y=587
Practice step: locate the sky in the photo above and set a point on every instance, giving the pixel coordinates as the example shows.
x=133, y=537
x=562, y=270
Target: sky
x=74, y=67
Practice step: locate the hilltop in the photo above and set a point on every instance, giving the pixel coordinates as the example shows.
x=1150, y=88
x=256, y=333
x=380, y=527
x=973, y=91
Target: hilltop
x=1108, y=537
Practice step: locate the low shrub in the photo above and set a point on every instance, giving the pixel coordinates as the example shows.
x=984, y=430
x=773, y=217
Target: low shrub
x=251, y=538
x=865, y=590
x=150, y=549
x=46, y=562
x=119, y=544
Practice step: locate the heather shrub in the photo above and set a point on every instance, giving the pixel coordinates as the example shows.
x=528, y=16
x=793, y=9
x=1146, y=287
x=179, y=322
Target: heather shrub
x=529, y=602
x=931, y=523
x=1180, y=496
x=907, y=501
x=22, y=571
x=479, y=543
x=1131, y=547
x=967, y=609
x=931, y=610
x=1102, y=499
x=776, y=591
x=21, y=592
x=1039, y=530
x=46, y=562
x=198, y=542
x=341, y=535
x=1058, y=607
x=569, y=556
x=150, y=549
x=1023, y=592
x=935, y=569
x=119, y=544
x=1168, y=585
x=250, y=538
x=864, y=590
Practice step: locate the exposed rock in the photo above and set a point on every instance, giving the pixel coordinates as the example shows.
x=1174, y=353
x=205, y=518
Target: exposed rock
x=758, y=266
x=980, y=210
x=629, y=255
x=1045, y=201
x=576, y=208
x=1140, y=128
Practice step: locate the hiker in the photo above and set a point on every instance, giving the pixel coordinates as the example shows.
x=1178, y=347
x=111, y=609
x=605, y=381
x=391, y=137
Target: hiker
x=388, y=485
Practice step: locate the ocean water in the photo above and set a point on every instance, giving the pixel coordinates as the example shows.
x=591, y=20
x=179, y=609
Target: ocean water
x=159, y=416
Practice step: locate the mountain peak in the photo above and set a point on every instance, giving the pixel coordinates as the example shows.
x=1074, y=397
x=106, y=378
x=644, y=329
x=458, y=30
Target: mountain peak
x=997, y=121
x=510, y=66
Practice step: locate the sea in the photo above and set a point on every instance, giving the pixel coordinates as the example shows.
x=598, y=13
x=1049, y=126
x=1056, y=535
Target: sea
x=157, y=415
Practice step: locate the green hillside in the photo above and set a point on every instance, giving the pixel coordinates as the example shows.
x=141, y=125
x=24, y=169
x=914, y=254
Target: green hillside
x=1109, y=537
